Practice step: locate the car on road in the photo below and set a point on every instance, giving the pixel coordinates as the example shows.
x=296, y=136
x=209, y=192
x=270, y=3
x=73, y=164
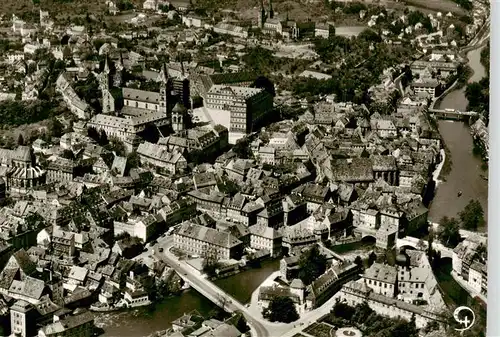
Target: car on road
x=160, y=250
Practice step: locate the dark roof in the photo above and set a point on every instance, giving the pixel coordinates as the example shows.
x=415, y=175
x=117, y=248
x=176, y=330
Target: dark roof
x=229, y=78
x=352, y=170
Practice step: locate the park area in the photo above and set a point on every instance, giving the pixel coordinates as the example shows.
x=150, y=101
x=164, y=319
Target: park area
x=443, y=6
x=320, y=330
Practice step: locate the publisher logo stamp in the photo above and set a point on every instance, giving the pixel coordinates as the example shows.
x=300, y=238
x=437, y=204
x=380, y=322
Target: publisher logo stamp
x=465, y=318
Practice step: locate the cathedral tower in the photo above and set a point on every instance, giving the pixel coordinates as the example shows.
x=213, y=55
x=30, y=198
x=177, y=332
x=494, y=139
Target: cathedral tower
x=262, y=15
x=108, y=101
x=271, y=11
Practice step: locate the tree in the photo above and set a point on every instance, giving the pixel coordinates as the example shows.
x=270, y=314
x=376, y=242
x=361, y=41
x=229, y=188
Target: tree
x=429, y=242
x=93, y=134
x=241, y=324
x=405, y=328
x=133, y=160
x=372, y=258
x=281, y=309
x=449, y=232
x=473, y=215
x=242, y=148
x=115, y=145
x=312, y=265
x=68, y=154
x=421, y=244
x=210, y=261
x=358, y=261
x=103, y=138
x=223, y=301
x=20, y=140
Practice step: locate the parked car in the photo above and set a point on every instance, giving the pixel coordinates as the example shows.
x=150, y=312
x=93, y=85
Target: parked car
x=160, y=250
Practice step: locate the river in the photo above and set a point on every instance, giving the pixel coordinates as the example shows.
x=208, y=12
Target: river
x=466, y=171
x=144, y=321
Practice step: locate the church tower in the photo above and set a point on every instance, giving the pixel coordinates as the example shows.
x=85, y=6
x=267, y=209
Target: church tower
x=165, y=91
x=118, y=76
x=108, y=101
x=178, y=115
x=271, y=11
x=105, y=75
x=262, y=15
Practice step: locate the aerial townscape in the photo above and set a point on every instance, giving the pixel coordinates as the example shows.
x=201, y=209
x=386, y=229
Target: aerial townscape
x=260, y=168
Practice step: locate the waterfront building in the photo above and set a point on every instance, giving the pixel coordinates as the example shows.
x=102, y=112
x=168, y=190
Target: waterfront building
x=266, y=238
x=325, y=286
x=357, y=292
x=200, y=240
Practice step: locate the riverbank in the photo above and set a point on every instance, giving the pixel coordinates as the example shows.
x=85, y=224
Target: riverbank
x=461, y=171
x=437, y=172
x=160, y=315
x=468, y=288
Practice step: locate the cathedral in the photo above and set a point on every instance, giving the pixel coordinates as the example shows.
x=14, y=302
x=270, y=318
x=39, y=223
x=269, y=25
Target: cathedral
x=126, y=112
x=263, y=16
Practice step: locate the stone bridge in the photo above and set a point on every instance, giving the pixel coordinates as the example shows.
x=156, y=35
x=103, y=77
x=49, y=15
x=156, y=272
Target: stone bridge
x=414, y=243
x=452, y=114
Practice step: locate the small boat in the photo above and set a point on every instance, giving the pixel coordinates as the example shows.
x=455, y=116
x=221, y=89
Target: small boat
x=484, y=177
x=459, y=194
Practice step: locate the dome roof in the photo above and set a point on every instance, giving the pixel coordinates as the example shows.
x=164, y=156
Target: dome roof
x=402, y=259
x=179, y=107
x=297, y=284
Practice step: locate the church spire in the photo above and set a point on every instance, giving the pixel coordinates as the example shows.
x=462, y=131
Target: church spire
x=262, y=15
x=271, y=11
x=164, y=74
x=106, y=66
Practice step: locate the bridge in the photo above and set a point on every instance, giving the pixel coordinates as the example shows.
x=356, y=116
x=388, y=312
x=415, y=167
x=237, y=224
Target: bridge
x=416, y=243
x=258, y=325
x=452, y=114
x=212, y=292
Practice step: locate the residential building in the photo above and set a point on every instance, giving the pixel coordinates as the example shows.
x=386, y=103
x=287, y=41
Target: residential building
x=229, y=29
x=159, y=157
x=81, y=324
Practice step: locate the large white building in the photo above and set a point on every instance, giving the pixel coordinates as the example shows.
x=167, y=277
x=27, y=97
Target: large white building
x=246, y=106
x=201, y=240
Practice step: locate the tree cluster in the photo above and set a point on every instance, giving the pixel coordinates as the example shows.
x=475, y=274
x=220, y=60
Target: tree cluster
x=465, y=4
x=359, y=68
x=478, y=93
x=370, y=322
x=17, y=113
x=281, y=309
x=312, y=265
x=472, y=216
x=449, y=232
x=261, y=61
